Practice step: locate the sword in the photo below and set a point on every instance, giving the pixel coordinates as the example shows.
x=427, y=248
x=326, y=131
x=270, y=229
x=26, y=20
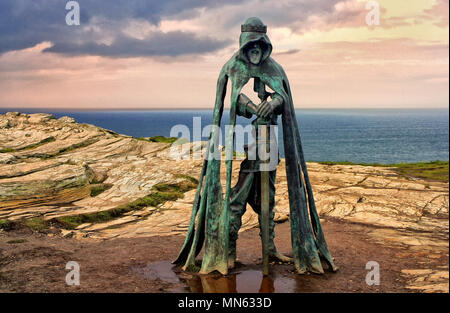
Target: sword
x=260, y=88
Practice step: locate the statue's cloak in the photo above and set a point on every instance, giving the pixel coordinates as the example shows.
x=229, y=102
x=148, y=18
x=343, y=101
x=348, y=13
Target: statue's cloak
x=210, y=217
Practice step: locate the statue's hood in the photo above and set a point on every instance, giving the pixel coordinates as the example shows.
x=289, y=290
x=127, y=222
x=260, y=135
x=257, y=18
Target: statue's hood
x=254, y=31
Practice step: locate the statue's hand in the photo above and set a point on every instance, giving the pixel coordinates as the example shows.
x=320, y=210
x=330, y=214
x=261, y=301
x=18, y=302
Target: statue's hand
x=265, y=109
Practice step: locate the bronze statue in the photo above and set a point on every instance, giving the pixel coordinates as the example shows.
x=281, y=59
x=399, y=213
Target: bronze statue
x=216, y=218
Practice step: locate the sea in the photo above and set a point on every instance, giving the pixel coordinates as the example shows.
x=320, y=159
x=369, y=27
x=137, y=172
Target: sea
x=355, y=135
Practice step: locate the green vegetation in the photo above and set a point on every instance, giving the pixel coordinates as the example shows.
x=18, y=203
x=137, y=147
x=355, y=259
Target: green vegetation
x=82, y=144
x=42, y=142
x=435, y=170
x=37, y=224
x=160, y=194
x=29, y=147
x=97, y=189
x=6, y=225
x=73, y=221
x=111, y=132
x=187, y=177
x=15, y=241
x=164, y=139
x=87, y=142
x=349, y=163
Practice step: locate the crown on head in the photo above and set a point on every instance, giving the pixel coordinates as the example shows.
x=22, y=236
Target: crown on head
x=254, y=28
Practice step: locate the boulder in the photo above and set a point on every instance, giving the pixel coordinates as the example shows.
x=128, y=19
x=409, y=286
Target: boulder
x=40, y=118
x=66, y=119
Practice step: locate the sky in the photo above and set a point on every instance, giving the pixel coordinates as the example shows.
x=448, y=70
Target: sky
x=153, y=54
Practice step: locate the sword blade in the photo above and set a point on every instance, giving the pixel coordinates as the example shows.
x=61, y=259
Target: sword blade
x=265, y=214
x=260, y=88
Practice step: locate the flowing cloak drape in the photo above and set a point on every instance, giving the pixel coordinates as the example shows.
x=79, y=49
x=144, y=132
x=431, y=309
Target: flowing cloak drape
x=211, y=210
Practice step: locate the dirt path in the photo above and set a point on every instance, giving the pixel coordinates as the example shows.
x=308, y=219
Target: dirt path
x=141, y=264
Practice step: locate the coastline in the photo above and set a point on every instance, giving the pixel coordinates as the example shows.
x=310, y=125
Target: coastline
x=360, y=136
x=91, y=185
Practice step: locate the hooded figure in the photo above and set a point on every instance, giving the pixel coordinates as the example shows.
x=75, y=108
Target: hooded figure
x=210, y=219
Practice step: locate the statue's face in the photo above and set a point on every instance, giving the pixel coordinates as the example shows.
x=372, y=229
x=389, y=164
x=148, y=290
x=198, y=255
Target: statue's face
x=254, y=54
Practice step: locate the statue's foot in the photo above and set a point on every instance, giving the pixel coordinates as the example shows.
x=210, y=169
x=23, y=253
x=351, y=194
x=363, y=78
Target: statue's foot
x=316, y=268
x=278, y=257
x=300, y=270
x=313, y=268
x=333, y=267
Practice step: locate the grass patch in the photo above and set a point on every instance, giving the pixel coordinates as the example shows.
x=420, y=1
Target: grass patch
x=163, y=139
x=348, y=163
x=42, y=142
x=29, y=147
x=187, y=177
x=87, y=142
x=97, y=189
x=180, y=187
x=6, y=225
x=160, y=194
x=37, y=224
x=434, y=170
x=82, y=144
x=73, y=221
x=15, y=241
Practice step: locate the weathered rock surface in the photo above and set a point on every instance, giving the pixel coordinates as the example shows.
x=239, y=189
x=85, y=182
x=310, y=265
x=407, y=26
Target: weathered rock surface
x=48, y=166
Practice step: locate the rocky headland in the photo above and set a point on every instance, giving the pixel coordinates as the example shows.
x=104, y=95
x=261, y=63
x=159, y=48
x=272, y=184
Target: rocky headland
x=80, y=182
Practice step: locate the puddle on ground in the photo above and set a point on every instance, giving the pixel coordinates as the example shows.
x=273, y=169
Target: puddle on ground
x=243, y=280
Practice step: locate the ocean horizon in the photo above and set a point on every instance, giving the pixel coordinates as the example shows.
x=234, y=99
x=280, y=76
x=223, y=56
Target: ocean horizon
x=355, y=135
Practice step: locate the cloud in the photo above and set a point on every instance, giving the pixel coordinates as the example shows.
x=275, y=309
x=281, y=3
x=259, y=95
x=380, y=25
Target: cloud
x=26, y=23
x=159, y=44
x=131, y=28
x=291, y=51
x=297, y=15
x=130, y=53
x=105, y=24
x=439, y=13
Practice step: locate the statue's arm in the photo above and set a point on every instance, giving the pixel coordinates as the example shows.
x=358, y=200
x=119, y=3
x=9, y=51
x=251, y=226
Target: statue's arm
x=245, y=106
x=277, y=103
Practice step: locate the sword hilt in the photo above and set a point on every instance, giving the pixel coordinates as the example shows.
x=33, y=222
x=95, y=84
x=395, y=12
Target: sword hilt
x=260, y=88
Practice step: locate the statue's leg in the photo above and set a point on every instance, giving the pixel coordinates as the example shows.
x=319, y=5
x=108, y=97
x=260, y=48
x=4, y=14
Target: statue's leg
x=238, y=203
